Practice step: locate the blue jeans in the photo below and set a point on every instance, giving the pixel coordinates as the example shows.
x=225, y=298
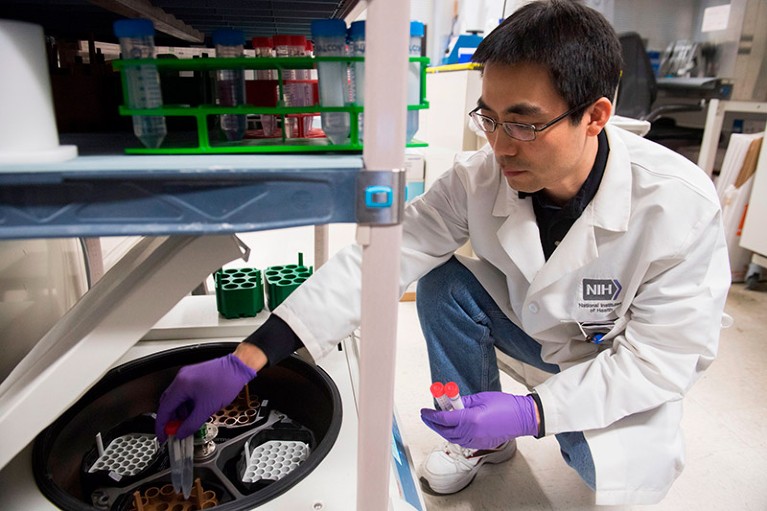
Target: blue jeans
x=463, y=325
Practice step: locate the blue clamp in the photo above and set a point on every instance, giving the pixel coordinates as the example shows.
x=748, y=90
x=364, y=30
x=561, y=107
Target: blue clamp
x=378, y=196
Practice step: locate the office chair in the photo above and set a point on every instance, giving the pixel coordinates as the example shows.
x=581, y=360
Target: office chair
x=638, y=91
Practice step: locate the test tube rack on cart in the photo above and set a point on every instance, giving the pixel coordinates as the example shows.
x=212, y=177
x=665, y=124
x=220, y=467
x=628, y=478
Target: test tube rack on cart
x=207, y=143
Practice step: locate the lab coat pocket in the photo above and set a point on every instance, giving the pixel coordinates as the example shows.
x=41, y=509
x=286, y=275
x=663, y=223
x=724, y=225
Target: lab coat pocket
x=601, y=332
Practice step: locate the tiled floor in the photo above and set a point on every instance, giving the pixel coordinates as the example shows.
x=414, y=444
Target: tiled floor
x=725, y=426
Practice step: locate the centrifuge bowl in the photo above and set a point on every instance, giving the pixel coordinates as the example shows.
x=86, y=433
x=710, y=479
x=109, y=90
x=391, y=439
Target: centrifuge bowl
x=302, y=392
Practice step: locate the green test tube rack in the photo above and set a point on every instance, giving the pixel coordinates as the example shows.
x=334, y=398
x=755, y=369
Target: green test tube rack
x=206, y=143
x=283, y=280
x=239, y=292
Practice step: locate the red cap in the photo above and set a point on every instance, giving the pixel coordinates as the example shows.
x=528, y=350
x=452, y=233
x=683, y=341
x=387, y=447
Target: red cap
x=298, y=40
x=309, y=46
x=437, y=390
x=262, y=42
x=172, y=427
x=282, y=40
x=451, y=389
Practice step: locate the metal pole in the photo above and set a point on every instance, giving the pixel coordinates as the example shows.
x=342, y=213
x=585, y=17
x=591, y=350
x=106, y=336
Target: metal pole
x=387, y=33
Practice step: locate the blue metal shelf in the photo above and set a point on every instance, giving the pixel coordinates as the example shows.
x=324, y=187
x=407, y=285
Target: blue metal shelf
x=158, y=195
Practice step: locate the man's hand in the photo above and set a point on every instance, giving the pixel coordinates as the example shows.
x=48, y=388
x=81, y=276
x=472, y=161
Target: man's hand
x=199, y=391
x=487, y=420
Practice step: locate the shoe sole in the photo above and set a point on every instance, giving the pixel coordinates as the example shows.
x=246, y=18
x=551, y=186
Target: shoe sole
x=455, y=488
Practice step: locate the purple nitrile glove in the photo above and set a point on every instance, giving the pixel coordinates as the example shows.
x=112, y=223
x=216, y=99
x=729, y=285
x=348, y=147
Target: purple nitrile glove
x=487, y=420
x=199, y=391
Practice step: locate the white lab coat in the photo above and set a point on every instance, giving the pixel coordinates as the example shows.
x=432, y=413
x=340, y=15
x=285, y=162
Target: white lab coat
x=646, y=261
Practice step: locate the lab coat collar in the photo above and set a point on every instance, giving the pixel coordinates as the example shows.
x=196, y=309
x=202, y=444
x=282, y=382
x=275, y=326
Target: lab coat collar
x=519, y=235
x=611, y=206
x=520, y=238
x=609, y=209
x=507, y=199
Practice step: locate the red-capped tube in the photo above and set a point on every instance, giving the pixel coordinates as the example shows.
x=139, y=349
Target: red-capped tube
x=438, y=392
x=171, y=427
x=451, y=390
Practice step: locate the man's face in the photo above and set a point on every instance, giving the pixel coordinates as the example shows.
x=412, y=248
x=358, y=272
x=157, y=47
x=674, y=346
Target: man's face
x=560, y=157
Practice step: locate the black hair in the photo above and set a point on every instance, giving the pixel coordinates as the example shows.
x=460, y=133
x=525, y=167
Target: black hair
x=574, y=42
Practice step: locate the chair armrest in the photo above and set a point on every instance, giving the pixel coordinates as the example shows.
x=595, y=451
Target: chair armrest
x=667, y=109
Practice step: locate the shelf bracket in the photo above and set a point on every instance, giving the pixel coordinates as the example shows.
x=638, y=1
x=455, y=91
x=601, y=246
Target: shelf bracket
x=380, y=197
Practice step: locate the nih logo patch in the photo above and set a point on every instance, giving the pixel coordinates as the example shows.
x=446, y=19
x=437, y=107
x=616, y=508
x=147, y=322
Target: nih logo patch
x=601, y=289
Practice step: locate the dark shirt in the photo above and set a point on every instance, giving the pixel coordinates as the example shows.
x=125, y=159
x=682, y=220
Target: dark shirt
x=276, y=339
x=555, y=221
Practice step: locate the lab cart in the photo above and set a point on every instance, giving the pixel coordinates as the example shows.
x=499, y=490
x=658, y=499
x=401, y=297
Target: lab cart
x=190, y=206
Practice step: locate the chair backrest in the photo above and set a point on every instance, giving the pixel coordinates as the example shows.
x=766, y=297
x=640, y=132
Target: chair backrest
x=637, y=90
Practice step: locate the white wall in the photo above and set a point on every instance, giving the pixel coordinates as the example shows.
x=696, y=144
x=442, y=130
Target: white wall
x=726, y=40
x=658, y=21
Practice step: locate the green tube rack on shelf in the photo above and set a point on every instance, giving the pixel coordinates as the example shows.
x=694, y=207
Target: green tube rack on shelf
x=205, y=143
x=283, y=280
x=239, y=292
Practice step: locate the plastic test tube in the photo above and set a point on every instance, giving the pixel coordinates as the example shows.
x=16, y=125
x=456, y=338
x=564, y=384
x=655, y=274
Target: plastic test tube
x=330, y=41
x=137, y=42
x=263, y=47
x=230, y=83
x=181, y=454
x=438, y=391
x=414, y=78
x=451, y=390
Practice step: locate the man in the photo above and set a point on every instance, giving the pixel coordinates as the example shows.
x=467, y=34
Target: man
x=600, y=262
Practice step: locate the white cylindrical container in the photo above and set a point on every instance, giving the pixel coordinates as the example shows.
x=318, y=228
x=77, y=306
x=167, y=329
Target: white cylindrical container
x=137, y=42
x=230, y=83
x=28, y=131
x=330, y=41
x=357, y=48
x=414, y=78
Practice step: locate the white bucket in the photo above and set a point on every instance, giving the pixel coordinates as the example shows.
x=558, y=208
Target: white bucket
x=27, y=122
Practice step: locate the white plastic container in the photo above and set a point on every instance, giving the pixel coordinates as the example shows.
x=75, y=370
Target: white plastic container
x=27, y=125
x=230, y=83
x=330, y=41
x=414, y=79
x=137, y=42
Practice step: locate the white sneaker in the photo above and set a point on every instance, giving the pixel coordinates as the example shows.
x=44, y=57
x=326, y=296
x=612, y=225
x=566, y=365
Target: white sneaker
x=450, y=467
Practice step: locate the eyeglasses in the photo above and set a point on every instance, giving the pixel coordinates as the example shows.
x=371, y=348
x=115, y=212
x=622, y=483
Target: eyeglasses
x=516, y=130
